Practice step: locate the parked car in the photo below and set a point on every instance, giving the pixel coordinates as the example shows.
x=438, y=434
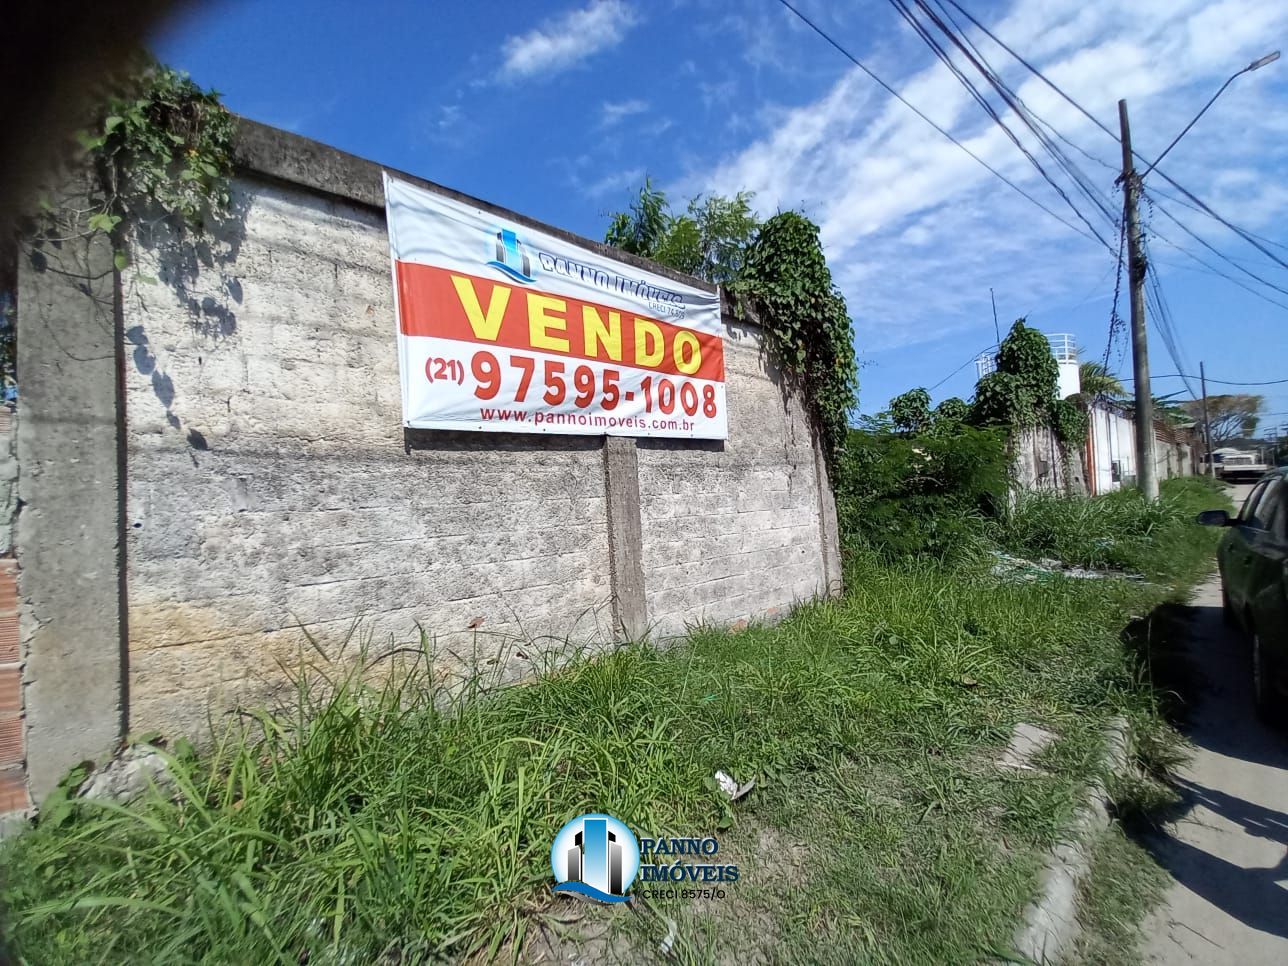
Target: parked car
x=1253, y=558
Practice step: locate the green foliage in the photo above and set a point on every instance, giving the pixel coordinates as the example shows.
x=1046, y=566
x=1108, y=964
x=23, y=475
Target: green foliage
x=910, y=412
x=1120, y=531
x=1002, y=399
x=399, y=822
x=1020, y=390
x=641, y=230
x=1070, y=423
x=709, y=240
x=1026, y=355
x=899, y=494
x=786, y=281
x=778, y=269
x=1097, y=382
x=160, y=150
x=950, y=413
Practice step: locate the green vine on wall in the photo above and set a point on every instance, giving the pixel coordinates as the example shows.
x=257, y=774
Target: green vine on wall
x=1022, y=392
x=786, y=281
x=159, y=152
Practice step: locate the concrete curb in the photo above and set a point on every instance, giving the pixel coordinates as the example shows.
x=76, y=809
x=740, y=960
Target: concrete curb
x=1051, y=924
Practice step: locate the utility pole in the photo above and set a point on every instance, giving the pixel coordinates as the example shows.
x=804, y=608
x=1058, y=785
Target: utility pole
x=1207, y=423
x=1146, y=474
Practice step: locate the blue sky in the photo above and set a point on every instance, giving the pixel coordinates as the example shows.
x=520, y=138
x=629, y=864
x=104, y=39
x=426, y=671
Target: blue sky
x=559, y=109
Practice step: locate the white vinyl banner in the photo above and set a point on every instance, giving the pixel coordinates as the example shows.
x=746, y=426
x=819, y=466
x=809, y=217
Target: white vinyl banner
x=503, y=328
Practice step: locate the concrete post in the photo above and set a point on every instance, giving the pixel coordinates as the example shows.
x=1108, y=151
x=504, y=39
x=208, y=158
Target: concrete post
x=625, y=538
x=68, y=533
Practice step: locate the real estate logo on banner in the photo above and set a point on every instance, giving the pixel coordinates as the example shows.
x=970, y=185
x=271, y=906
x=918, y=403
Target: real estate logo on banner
x=509, y=329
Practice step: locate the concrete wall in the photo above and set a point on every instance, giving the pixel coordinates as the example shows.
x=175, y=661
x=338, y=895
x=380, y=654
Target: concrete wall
x=1038, y=463
x=731, y=532
x=270, y=489
x=1112, y=439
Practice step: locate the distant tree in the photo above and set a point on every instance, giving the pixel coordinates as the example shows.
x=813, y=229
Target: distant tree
x=1234, y=416
x=709, y=239
x=1098, y=382
x=951, y=413
x=641, y=229
x=910, y=412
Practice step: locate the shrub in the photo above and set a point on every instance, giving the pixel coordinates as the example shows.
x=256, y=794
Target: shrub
x=929, y=494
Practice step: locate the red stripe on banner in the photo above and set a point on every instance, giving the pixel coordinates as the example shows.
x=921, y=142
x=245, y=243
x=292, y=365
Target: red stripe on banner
x=443, y=304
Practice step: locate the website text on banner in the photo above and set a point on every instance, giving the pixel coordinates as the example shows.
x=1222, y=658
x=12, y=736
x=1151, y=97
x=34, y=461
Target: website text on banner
x=508, y=329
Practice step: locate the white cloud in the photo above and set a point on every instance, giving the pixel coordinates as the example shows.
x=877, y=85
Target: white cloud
x=917, y=231
x=616, y=111
x=615, y=182
x=564, y=41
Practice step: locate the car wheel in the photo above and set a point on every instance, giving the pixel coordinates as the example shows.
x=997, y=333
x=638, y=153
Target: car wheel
x=1270, y=704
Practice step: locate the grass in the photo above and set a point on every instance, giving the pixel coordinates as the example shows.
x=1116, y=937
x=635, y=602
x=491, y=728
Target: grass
x=396, y=822
x=1126, y=882
x=1119, y=531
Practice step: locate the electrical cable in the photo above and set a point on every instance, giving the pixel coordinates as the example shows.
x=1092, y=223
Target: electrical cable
x=1219, y=382
x=959, y=368
x=1181, y=225
x=908, y=104
x=1008, y=96
x=1247, y=236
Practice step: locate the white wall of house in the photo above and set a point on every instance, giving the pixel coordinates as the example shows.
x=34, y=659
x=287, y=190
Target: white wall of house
x=1113, y=449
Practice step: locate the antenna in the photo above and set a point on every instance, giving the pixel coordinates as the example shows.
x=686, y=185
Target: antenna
x=996, y=331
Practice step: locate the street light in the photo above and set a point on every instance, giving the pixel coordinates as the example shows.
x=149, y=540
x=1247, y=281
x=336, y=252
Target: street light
x=1255, y=65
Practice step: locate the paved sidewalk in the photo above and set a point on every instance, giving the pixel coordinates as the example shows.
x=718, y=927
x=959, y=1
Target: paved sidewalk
x=1228, y=853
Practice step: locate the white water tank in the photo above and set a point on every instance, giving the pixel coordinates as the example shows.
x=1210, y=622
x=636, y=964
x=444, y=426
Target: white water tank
x=1065, y=350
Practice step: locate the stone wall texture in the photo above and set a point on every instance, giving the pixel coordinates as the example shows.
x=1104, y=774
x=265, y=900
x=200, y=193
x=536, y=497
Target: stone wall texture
x=272, y=491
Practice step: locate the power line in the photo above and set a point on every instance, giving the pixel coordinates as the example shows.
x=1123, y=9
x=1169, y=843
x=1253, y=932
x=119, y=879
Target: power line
x=1116, y=322
x=1219, y=382
x=1183, y=227
x=1185, y=204
x=957, y=37
x=960, y=368
x=908, y=104
x=942, y=54
x=1215, y=271
x=1247, y=236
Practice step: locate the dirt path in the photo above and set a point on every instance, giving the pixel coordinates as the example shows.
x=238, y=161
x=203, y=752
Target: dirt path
x=1228, y=852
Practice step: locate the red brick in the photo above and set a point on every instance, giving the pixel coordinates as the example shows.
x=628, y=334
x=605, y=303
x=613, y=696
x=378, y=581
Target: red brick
x=13, y=791
x=10, y=690
x=9, y=639
x=11, y=752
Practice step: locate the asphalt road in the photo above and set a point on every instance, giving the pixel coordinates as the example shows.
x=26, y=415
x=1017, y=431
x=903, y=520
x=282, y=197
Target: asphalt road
x=1227, y=853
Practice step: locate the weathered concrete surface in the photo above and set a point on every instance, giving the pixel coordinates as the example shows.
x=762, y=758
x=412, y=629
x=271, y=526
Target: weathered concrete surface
x=1050, y=925
x=272, y=489
x=68, y=528
x=1038, y=464
x=223, y=452
x=1228, y=853
x=731, y=532
x=622, y=477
